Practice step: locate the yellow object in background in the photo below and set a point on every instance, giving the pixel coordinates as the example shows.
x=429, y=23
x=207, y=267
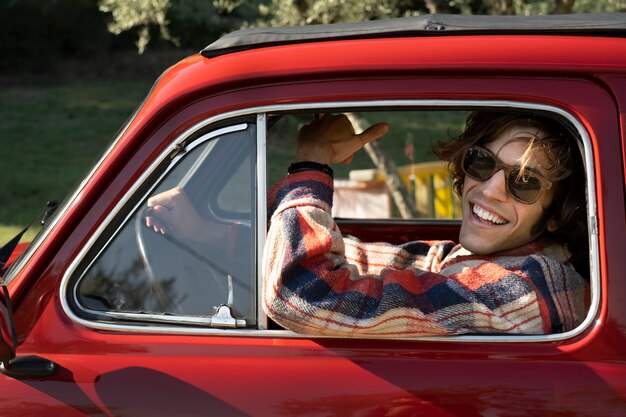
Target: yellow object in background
x=430, y=184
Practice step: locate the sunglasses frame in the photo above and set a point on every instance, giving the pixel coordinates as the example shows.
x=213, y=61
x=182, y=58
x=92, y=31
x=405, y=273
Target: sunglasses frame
x=545, y=183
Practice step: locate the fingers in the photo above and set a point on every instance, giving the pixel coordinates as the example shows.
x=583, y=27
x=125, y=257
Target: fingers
x=373, y=133
x=160, y=219
x=154, y=224
x=368, y=135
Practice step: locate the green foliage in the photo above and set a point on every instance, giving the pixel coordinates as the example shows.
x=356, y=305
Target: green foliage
x=306, y=12
x=196, y=23
x=301, y=12
x=596, y=6
x=544, y=7
x=141, y=14
x=37, y=33
x=184, y=23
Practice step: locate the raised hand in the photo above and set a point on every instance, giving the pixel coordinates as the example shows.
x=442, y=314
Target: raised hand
x=332, y=139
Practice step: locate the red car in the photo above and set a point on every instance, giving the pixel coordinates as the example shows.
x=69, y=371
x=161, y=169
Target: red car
x=104, y=317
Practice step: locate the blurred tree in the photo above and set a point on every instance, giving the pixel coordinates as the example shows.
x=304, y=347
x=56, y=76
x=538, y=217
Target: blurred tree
x=308, y=12
x=184, y=23
x=599, y=6
x=304, y=12
x=141, y=14
x=194, y=23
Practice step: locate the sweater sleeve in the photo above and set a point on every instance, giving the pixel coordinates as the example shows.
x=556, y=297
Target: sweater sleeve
x=319, y=282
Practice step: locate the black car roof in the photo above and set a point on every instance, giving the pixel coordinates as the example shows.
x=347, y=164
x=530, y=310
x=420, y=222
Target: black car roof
x=601, y=24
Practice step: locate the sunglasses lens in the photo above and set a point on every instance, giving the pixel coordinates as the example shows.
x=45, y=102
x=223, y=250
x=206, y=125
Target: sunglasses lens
x=481, y=164
x=525, y=188
x=478, y=164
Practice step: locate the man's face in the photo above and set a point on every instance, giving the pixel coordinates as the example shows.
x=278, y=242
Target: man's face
x=493, y=220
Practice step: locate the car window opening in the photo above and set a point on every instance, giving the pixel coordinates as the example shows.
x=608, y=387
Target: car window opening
x=202, y=271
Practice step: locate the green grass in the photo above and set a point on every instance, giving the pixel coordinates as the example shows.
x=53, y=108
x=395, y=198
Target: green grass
x=50, y=135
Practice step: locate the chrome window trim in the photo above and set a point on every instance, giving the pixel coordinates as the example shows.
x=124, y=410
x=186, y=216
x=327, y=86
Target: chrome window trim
x=261, y=167
x=261, y=219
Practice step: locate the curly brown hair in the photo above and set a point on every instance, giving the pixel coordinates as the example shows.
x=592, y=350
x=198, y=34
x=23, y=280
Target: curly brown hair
x=565, y=169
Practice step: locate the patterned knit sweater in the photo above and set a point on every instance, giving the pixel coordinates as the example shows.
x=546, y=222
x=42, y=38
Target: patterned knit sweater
x=320, y=282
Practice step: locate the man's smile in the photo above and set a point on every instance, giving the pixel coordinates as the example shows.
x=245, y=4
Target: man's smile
x=485, y=215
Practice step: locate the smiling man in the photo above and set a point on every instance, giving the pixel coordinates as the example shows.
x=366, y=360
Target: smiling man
x=523, y=201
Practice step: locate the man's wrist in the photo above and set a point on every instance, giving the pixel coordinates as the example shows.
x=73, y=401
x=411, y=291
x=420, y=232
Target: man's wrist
x=301, y=166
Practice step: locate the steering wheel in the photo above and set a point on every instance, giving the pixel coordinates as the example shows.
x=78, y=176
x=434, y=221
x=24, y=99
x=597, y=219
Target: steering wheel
x=184, y=278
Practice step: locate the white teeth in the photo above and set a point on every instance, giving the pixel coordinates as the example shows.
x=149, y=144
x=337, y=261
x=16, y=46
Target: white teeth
x=487, y=215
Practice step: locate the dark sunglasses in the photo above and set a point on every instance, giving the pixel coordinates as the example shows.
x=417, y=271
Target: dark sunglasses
x=526, y=187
